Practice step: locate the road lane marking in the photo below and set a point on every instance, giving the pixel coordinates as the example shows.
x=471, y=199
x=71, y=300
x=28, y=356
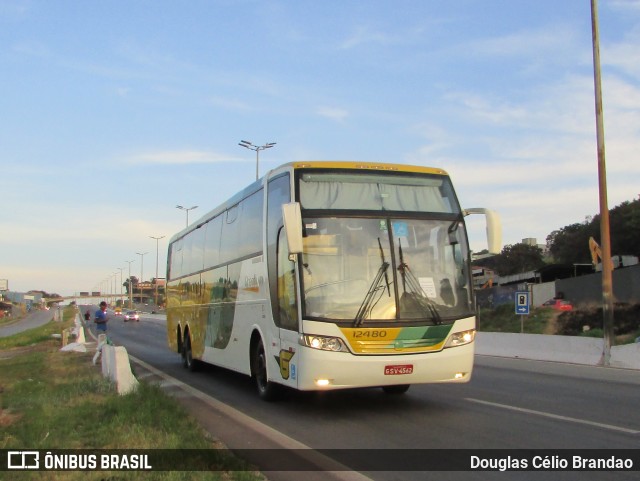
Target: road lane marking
x=555, y=416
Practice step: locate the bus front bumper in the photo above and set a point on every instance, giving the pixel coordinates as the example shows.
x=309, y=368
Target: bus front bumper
x=325, y=370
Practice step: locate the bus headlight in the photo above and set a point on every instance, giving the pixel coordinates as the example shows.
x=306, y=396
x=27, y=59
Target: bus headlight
x=461, y=338
x=324, y=343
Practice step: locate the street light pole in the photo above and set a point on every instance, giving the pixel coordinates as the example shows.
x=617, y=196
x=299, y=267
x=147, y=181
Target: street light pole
x=130, y=289
x=257, y=148
x=121, y=296
x=187, y=210
x=141, y=254
x=157, y=249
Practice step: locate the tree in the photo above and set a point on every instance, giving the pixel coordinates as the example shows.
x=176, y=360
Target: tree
x=518, y=258
x=134, y=284
x=625, y=229
x=570, y=244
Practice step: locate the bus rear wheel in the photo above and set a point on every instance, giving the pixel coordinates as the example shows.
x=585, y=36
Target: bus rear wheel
x=399, y=389
x=187, y=354
x=267, y=390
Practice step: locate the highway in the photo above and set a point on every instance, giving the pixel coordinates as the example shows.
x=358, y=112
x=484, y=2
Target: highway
x=509, y=404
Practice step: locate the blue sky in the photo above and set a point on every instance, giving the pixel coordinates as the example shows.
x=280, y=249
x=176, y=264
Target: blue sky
x=114, y=112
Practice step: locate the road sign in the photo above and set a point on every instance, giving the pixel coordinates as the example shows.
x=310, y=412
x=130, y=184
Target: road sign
x=522, y=303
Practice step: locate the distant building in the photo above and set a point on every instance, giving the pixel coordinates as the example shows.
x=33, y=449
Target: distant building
x=482, y=277
x=30, y=297
x=533, y=242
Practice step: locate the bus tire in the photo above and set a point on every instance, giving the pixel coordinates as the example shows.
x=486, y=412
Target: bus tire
x=187, y=355
x=399, y=389
x=267, y=390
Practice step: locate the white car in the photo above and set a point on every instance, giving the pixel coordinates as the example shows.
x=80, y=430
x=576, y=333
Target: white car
x=132, y=316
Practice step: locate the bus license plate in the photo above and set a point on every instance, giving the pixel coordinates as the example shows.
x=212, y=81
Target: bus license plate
x=396, y=370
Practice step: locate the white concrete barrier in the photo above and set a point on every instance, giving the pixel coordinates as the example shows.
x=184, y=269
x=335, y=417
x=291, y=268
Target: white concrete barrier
x=116, y=367
x=542, y=347
x=115, y=360
x=627, y=356
x=77, y=332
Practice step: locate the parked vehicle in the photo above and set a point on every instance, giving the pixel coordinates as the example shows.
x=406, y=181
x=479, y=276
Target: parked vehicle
x=558, y=305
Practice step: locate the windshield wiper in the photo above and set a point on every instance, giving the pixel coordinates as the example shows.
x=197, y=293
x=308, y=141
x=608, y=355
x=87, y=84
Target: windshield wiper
x=416, y=293
x=368, y=302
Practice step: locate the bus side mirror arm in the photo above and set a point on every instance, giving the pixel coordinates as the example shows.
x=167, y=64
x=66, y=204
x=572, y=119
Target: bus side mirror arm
x=293, y=228
x=494, y=227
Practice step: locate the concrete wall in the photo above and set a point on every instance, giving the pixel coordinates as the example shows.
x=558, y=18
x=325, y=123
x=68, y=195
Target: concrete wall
x=570, y=349
x=585, y=290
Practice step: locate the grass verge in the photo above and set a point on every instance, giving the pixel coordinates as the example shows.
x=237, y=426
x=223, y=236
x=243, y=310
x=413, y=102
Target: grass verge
x=504, y=319
x=59, y=400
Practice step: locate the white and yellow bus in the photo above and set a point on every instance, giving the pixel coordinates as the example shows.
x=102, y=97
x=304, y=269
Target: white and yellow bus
x=329, y=275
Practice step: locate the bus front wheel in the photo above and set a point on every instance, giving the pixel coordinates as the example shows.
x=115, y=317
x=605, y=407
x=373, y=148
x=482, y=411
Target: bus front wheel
x=267, y=390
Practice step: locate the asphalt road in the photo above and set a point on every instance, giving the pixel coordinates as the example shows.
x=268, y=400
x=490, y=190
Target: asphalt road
x=509, y=404
x=32, y=320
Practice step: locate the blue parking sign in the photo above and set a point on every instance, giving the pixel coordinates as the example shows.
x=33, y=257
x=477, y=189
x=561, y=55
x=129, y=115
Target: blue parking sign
x=522, y=303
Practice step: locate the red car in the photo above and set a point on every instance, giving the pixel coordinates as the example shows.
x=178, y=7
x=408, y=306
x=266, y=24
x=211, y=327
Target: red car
x=558, y=305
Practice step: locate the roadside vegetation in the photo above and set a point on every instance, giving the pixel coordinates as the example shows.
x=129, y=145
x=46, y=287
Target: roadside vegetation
x=59, y=400
x=579, y=322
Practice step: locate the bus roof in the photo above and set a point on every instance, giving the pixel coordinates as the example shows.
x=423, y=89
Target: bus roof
x=379, y=166
x=307, y=164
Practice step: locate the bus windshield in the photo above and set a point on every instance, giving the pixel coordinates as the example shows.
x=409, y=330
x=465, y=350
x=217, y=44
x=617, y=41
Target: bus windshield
x=385, y=270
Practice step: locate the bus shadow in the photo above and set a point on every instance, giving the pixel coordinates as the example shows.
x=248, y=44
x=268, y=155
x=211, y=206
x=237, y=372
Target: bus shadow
x=239, y=390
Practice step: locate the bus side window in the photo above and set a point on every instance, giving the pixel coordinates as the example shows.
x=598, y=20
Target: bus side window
x=287, y=295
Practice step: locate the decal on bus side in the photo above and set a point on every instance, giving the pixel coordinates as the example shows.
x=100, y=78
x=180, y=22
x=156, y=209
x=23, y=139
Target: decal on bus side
x=283, y=361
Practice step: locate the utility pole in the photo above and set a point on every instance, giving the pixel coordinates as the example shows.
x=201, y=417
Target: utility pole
x=605, y=243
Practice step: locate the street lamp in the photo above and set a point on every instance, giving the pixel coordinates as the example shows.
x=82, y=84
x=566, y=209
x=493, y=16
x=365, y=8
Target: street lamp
x=157, y=240
x=248, y=145
x=130, y=290
x=121, y=297
x=141, y=254
x=115, y=281
x=105, y=284
x=187, y=210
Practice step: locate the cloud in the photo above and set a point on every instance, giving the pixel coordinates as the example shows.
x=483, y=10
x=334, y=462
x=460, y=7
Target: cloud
x=625, y=4
x=333, y=113
x=123, y=91
x=526, y=42
x=13, y=10
x=363, y=35
x=624, y=56
x=230, y=104
x=180, y=157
